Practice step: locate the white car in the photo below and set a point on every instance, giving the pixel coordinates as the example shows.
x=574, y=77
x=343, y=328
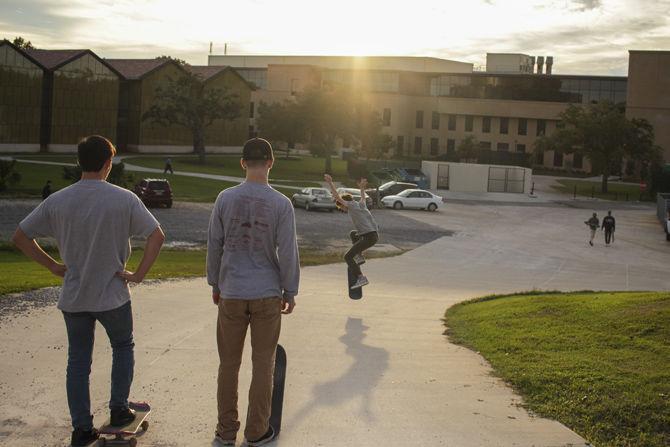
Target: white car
x=413, y=198
x=313, y=198
x=356, y=194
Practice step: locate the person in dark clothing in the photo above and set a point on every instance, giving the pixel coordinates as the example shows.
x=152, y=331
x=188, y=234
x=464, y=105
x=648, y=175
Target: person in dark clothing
x=593, y=224
x=168, y=166
x=609, y=225
x=46, y=191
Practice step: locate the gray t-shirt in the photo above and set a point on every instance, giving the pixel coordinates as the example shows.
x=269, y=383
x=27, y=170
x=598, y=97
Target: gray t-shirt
x=361, y=217
x=92, y=222
x=252, y=249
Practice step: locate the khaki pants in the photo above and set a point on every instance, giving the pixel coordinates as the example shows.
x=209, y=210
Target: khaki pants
x=264, y=317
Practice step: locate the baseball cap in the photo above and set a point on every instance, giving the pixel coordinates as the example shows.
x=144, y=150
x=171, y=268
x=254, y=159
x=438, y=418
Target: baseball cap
x=257, y=149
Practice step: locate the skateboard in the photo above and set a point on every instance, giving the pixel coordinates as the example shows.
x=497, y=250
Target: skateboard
x=130, y=431
x=278, y=389
x=357, y=293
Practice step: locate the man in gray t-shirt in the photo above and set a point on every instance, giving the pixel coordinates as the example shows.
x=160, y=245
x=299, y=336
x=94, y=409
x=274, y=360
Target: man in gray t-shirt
x=92, y=221
x=366, y=233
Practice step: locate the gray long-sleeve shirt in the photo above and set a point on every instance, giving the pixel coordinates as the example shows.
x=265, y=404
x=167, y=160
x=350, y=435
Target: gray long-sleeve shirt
x=252, y=249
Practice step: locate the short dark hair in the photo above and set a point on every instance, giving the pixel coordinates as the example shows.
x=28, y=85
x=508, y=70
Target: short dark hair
x=93, y=152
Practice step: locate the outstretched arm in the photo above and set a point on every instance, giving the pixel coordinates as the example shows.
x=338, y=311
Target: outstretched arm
x=333, y=190
x=362, y=184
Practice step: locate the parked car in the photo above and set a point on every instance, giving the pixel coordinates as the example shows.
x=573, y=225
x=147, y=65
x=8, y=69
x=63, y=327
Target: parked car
x=388, y=189
x=314, y=198
x=414, y=176
x=154, y=191
x=413, y=198
x=356, y=194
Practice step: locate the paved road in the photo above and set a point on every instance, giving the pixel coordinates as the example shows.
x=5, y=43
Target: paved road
x=369, y=373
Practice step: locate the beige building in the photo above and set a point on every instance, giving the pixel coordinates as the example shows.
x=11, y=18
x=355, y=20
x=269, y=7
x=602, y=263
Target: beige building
x=649, y=93
x=469, y=177
x=510, y=63
x=428, y=107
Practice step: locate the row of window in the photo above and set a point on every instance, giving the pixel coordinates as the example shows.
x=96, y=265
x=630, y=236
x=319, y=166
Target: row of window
x=451, y=146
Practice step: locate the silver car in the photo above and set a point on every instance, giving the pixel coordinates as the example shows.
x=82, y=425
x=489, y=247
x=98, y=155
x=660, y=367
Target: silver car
x=314, y=198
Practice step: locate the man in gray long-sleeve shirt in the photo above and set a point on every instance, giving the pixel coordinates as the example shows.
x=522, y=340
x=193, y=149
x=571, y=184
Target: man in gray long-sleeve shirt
x=254, y=270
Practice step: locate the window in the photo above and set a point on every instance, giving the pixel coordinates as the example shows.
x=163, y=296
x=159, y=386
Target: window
x=434, y=144
x=486, y=145
x=452, y=122
x=523, y=126
x=251, y=110
x=419, y=119
x=435, y=121
x=539, y=157
x=469, y=119
x=504, y=125
x=521, y=148
x=541, y=128
x=578, y=161
x=387, y=117
x=417, y=145
x=503, y=147
x=252, y=132
x=400, y=145
x=451, y=146
x=486, y=124
x=558, y=159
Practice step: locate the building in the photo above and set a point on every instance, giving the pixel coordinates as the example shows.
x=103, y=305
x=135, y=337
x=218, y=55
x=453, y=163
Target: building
x=80, y=98
x=510, y=63
x=649, y=93
x=428, y=112
x=21, y=81
x=141, y=79
x=477, y=178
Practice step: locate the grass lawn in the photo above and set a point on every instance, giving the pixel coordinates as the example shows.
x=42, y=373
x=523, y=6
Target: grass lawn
x=186, y=189
x=59, y=158
x=295, y=170
x=617, y=191
x=597, y=362
x=20, y=274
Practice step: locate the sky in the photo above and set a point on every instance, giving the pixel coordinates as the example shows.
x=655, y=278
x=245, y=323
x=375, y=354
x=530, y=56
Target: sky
x=583, y=36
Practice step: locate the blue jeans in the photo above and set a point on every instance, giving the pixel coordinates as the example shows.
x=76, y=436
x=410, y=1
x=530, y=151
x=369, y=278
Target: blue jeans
x=81, y=335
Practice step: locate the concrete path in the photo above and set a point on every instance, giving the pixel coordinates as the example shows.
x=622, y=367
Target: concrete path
x=378, y=372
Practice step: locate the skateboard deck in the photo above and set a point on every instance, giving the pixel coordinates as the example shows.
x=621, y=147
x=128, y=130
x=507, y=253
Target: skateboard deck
x=278, y=389
x=129, y=431
x=357, y=293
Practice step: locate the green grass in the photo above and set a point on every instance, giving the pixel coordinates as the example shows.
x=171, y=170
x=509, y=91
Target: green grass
x=33, y=178
x=597, y=362
x=60, y=158
x=19, y=273
x=617, y=191
x=294, y=170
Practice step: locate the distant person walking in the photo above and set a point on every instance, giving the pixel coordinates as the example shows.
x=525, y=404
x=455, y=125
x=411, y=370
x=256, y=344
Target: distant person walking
x=253, y=267
x=593, y=224
x=46, y=191
x=609, y=225
x=92, y=221
x=168, y=166
x=366, y=232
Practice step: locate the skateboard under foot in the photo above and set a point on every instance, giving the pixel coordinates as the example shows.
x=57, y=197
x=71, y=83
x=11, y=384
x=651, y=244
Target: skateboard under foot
x=126, y=434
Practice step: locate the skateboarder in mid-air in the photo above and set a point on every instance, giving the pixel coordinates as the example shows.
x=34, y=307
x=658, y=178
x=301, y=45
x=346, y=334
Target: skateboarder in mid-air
x=366, y=233
x=609, y=225
x=593, y=224
x=92, y=222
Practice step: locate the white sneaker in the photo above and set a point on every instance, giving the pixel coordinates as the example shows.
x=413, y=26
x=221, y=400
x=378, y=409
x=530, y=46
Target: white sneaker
x=223, y=442
x=359, y=259
x=362, y=281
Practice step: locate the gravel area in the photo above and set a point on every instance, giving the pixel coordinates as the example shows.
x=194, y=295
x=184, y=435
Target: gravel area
x=185, y=224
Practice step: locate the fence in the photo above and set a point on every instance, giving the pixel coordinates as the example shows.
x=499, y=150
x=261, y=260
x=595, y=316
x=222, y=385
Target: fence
x=506, y=180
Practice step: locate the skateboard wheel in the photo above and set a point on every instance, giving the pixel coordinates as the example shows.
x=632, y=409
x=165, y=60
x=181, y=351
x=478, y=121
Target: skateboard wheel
x=132, y=442
x=145, y=425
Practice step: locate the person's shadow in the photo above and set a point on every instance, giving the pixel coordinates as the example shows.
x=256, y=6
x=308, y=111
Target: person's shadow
x=358, y=381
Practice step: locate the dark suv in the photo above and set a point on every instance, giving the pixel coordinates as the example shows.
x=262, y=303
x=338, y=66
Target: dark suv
x=154, y=191
x=389, y=189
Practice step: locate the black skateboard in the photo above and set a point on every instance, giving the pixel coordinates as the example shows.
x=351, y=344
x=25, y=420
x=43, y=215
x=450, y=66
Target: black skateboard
x=357, y=293
x=278, y=389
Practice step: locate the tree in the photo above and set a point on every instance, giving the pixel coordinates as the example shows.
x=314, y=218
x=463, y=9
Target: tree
x=187, y=102
x=8, y=176
x=181, y=62
x=23, y=43
x=602, y=133
x=278, y=122
x=368, y=131
x=468, y=149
